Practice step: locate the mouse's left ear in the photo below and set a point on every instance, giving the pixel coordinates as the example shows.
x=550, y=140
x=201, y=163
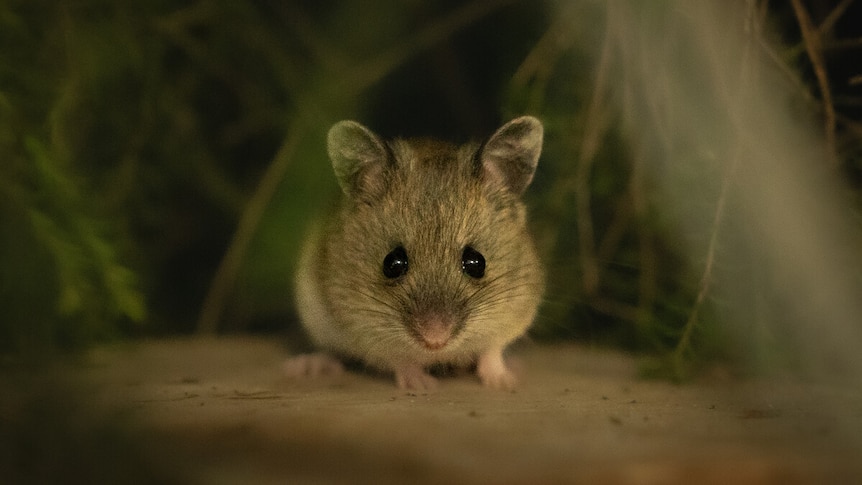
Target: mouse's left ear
x=511, y=154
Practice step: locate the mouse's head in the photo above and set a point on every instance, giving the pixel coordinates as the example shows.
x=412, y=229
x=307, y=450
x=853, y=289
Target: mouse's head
x=438, y=260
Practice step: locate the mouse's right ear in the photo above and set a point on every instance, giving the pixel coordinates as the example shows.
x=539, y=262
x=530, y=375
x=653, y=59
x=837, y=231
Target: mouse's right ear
x=358, y=157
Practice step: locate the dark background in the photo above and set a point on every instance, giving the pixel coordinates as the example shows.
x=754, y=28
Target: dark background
x=137, y=138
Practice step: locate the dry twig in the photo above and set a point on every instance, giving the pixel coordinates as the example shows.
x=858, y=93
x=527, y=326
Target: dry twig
x=747, y=78
x=223, y=281
x=595, y=128
x=812, y=39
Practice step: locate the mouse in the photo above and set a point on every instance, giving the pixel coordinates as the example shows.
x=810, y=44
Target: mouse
x=426, y=260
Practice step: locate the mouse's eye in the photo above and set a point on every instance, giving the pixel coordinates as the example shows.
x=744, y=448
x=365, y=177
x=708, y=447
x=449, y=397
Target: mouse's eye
x=472, y=263
x=395, y=263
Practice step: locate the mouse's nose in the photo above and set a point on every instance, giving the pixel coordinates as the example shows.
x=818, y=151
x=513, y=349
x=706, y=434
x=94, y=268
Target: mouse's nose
x=434, y=330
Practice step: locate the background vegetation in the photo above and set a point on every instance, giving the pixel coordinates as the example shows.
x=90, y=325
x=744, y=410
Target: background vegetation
x=159, y=160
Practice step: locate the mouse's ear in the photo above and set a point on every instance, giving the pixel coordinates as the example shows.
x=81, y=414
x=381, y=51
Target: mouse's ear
x=512, y=153
x=358, y=157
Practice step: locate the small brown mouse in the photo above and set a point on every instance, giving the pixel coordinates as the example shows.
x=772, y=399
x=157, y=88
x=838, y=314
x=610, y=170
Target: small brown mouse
x=427, y=259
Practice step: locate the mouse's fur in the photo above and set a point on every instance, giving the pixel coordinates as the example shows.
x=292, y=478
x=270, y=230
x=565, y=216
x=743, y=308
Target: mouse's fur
x=433, y=199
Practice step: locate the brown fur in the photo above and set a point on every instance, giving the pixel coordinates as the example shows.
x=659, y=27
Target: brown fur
x=433, y=199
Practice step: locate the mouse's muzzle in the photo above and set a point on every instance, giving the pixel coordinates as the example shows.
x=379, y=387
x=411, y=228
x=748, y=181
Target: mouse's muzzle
x=434, y=330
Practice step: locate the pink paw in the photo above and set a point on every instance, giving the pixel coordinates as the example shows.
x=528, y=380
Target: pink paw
x=415, y=378
x=312, y=365
x=494, y=374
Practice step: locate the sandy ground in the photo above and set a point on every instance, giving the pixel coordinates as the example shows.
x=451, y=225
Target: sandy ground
x=220, y=411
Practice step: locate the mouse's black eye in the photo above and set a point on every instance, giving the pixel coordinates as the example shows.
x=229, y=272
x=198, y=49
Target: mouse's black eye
x=395, y=263
x=472, y=263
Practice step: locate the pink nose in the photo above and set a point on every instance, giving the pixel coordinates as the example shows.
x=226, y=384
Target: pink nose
x=434, y=332
x=432, y=343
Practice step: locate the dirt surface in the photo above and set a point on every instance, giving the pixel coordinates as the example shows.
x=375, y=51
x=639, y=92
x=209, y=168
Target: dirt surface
x=220, y=411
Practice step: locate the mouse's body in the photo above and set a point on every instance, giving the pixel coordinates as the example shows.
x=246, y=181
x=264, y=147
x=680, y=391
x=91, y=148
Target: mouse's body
x=427, y=259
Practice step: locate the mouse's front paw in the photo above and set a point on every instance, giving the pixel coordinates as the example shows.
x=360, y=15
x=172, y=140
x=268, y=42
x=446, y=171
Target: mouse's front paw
x=504, y=380
x=493, y=373
x=414, y=378
x=312, y=365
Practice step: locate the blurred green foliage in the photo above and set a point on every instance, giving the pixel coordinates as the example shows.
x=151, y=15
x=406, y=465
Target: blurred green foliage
x=154, y=153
